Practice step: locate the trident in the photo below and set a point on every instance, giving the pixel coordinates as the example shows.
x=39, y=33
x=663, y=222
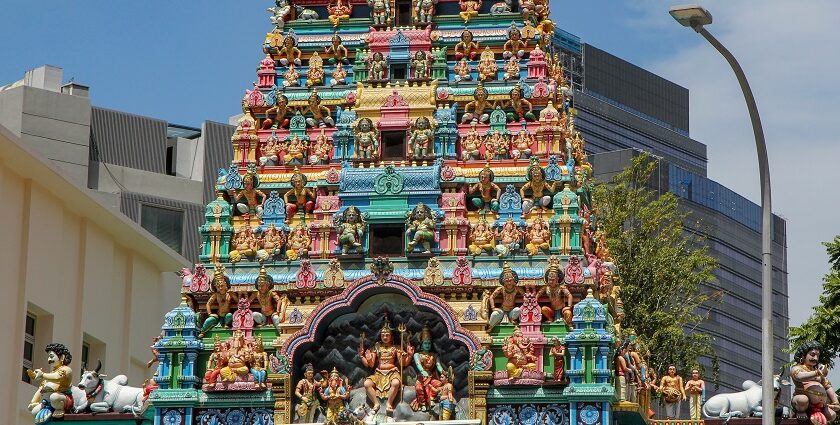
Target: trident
x=401, y=328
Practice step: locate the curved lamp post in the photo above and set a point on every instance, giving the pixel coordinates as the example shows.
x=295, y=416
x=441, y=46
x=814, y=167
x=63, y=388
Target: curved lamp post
x=696, y=17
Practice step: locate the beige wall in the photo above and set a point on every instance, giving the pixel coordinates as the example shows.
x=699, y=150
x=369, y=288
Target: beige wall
x=84, y=270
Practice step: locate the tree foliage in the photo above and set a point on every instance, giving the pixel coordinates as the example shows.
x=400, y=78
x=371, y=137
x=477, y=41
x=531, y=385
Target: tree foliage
x=660, y=265
x=824, y=323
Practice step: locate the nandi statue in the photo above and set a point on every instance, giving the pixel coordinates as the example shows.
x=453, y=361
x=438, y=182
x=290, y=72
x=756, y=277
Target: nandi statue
x=367, y=416
x=740, y=404
x=105, y=395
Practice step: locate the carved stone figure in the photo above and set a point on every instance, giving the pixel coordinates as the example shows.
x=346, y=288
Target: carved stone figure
x=420, y=228
x=50, y=400
x=522, y=143
x=446, y=392
x=489, y=192
x=559, y=298
x=239, y=358
x=221, y=300
x=558, y=353
x=366, y=140
x=249, y=200
x=306, y=391
x=696, y=389
x=299, y=243
x=514, y=46
x=377, y=64
x=471, y=143
x=673, y=392
x=512, y=69
x=522, y=108
x=478, y=105
x=291, y=78
x=336, y=50
x=351, y=229
x=481, y=238
x=315, y=73
x=338, y=76
x=299, y=198
x=387, y=360
x=487, y=67
x=814, y=397
x=469, y=8
x=244, y=244
x=305, y=14
x=320, y=113
x=335, y=394
x=422, y=139
x=538, y=236
x=340, y=11
x=519, y=351
x=289, y=53
x=462, y=71
x=279, y=13
x=259, y=363
x=467, y=48
x=269, y=152
x=537, y=192
x=321, y=150
x=273, y=241
x=380, y=11
x=496, y=146
x=424, y=11
x=429, y=370
x=509, y=238
x=508, y=291
x=271, y=305
x=420, y=63
x=295, y=151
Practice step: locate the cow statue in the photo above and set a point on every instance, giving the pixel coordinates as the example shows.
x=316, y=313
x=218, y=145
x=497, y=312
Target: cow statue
x=106, y=395
x=740, y=404
x=366, y=416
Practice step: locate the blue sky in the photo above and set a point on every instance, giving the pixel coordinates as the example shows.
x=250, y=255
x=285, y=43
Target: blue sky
x=187, y=62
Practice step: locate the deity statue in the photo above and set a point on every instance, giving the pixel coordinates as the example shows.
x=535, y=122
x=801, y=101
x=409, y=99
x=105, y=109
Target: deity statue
x=514, y=46
x=487, y=67
x=279, y=13
x=388, y=362
x=244, y=244
x=478, y=105
x=340, y=11
x=380, y=11
x=519, y=351
x=217, y=360
x=320, y=114
x=696, y=388
x=276, y=115
x=489, y=192
x=321, y=150
x=351, y=229
x=295, y=151
x=481, y=238
x=471, y=143
x=249, y=200
x=482, y=358
x=420, y=228
x=611, y=297
x=522, y=143
x=299, y=243
x=299, y=198
x=559, y=297
x=469, y=8
x=305, y=391
x=462, y=70
x=467, y=48
x=429, y=370
x=289, y=53
x=335, y=393
x=269, y=151
x=814, y=398
x=337, y=50
x=424, y=11
x=673, y=391
x=538, y=236
x=259, y=363
x=420, y=63
x=221, y=299
x=422, y=139
x=540, y=190
x=508, y=291
x=315, y=73
x=239, y=356
x=509, y=238
x=291, y=78
x=53, y=396
x=338, y=76
x=496, y=146
x=446, y=392
x=377, y=64
x=272, y=306
x=273, y=240
x=366, y=140
x=519, y=104
x=621, y=371
x=558, y=353
x=512, y=69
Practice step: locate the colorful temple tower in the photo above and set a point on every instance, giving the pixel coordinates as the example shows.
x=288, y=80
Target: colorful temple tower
x=405, y=231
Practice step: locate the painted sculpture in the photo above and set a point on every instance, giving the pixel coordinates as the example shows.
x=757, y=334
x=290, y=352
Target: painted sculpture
x=50, y=400
x=351, y=230
x=219, y=305
x=478, y=105
x=696, y=389
x=424, y=11
x=488, y=192
x=421, y=141
x=299, y=198
x=320, y=113
x=814, y=398
x=366, y=140
x=537, y=192
x=272, y=307
x=429, y=371
x=519, y=351
x=387, y=360
x=420, y=228
x=487, y=67
x=467, y=48
x=380, y=11
x=559, y=298
x=508, y=292
x=307, y=393
x=482, y=238
x=673, y=392
x=420, y=64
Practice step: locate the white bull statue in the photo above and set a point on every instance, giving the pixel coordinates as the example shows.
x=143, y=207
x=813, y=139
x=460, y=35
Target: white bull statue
x=740, y=404
x=106, y=395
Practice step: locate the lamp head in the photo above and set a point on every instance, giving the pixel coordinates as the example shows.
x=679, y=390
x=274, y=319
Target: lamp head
x=691, y=15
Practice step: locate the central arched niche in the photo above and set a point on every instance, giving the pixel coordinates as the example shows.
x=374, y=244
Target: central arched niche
x=337, y=340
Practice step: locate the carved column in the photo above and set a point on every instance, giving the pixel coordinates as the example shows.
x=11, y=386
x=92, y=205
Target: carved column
x=479, y=384
x=281, y=390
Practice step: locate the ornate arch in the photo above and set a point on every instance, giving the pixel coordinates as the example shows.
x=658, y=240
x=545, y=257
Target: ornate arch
x=353, y=295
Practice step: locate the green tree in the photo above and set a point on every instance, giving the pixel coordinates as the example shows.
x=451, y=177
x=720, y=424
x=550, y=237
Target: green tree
x=824, y=323
x=660, y=265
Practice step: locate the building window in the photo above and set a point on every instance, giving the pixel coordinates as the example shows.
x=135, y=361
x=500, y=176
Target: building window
x=28, y=346
x=166, y=224
x=393, y=145
x=387, y=239
x=85, y=354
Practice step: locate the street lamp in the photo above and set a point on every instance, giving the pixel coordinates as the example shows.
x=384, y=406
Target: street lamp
x=696, y=17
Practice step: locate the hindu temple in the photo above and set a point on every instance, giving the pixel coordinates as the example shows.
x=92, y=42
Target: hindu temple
x=406, y=233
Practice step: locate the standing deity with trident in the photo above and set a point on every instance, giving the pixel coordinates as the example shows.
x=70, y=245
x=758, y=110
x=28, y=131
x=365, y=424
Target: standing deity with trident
x=387, y=362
